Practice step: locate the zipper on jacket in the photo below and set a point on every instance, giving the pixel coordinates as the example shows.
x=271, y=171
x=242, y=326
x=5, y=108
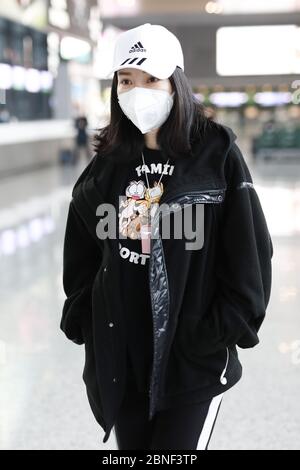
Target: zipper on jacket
x=205, y=195
x=184, y=197
x=154, y=384
x=152, y=376
x=187, y=198
x=223, y=379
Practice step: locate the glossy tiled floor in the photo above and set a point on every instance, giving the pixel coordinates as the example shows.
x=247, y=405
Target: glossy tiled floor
x=42, y=396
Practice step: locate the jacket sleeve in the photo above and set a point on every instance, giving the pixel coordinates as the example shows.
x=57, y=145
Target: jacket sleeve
x=81, y=260
x=243, y=268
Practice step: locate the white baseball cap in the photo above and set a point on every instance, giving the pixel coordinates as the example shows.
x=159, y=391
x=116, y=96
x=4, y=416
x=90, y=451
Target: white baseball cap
x=148, y=47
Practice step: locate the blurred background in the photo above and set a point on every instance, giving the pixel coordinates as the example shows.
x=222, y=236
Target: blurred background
x=243, y=62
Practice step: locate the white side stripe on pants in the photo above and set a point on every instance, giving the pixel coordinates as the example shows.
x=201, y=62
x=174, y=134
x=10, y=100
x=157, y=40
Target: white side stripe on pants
x=209, y=422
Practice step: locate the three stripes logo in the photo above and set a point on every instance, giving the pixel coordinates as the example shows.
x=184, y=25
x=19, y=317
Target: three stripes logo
x=138, y=47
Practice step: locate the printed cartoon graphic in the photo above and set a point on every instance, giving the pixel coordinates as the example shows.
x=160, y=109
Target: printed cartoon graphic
x=137, y=208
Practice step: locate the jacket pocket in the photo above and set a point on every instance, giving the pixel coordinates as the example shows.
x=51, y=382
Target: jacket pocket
x=188, y=343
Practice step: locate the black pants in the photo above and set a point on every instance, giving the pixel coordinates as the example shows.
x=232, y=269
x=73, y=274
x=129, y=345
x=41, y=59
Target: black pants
x=187, y=427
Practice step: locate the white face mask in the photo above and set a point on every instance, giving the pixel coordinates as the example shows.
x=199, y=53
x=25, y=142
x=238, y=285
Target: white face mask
x=147, y=108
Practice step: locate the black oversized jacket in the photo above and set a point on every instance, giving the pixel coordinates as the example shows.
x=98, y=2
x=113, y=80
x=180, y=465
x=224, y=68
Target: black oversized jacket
x=204, y=302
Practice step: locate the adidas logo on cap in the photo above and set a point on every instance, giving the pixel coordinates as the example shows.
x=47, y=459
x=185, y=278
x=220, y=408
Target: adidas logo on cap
x=138, y=47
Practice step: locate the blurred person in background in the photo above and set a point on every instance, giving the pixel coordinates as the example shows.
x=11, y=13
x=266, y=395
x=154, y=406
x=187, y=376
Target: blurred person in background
x=161, y=323
x=82, y=138
x=4, y=115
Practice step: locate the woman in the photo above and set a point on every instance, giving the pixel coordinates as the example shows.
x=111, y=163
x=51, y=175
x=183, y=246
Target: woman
x=161, y=318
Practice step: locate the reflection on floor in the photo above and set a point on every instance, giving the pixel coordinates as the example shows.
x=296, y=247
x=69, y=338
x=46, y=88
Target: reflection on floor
x=42, y=397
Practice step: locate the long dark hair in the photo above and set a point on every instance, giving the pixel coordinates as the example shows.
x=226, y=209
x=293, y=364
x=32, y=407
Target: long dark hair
x=185, y=124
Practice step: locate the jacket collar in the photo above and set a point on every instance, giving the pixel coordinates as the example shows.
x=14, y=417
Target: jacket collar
x=206, y=164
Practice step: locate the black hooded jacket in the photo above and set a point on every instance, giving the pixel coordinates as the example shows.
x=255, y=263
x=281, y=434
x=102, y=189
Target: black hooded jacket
x=204, y=302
